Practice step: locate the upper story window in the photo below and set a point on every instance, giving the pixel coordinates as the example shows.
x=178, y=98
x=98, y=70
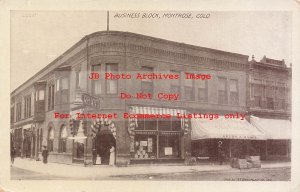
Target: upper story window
x=234, y=93
x=270, y=94
x=203, y=91
x=39, y=95
x=280, y=95
x=111, y=85
x=175, y=83
x=51, y=97
x=62, y=90
x=257, y=92
x=222, y=90
x=189, y=93
x=19, y=110
x=62, y=84
x=78, y=79
x=96, y=84
x=270, y=103
x=27, y=111
x=147, y=84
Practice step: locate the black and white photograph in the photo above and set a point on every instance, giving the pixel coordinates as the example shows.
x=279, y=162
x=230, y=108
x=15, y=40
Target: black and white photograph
x=146, y=96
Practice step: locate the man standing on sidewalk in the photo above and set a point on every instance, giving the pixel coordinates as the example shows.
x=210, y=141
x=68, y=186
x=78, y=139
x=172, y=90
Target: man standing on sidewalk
x=12, y=154
x=45, y=154
x=221, y=155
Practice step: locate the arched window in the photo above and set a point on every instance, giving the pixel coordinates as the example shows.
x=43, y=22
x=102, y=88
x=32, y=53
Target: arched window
x=63, y=139
x=50, y=138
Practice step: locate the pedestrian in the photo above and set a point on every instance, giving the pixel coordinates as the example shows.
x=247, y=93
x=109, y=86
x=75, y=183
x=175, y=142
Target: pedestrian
x=45, y=154
x=112, y=156
x=12, y=154
x=221, y=155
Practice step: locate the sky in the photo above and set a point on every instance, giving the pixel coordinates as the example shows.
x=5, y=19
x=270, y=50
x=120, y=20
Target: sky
x=37, y=38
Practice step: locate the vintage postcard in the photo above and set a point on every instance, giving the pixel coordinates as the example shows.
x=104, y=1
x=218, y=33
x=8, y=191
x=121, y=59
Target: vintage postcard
x=128, y=96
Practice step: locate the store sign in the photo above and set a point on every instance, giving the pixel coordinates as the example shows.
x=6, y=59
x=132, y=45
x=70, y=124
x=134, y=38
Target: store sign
x=146, y=132
x=90, y=101
x=239, y=137
x=168, y=151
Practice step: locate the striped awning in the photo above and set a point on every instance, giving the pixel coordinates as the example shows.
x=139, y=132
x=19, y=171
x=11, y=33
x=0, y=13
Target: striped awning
x=277, y=129
x=156, y=110
x=222, y=128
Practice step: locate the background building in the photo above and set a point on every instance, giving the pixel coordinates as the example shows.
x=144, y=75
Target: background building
x=270, y=105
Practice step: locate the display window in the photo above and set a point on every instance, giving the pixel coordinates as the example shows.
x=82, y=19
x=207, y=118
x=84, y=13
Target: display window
x=157, y=139
x=169, y=146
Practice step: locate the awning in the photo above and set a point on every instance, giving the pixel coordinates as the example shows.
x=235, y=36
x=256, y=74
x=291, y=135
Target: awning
x=156, y=110
x=222, y=128
x=273, y=128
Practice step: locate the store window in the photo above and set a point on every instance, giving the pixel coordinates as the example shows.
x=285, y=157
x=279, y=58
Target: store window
x=63, y=139
x=277, y=147
x=147, y=84
x=96, y=84
x=222, y=90
x=111, y=85
x=79, y=150
x=202, y=91
x=169, y=146
x=145, y=147
x=50, y=138
x=157, y=138
x=234, y=94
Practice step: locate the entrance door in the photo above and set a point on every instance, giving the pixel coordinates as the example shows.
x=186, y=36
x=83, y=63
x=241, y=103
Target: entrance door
x=103, y=144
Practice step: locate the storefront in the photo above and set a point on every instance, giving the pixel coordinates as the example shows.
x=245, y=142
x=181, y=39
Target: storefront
x=157, y=139
x=278, y=135
x=237, y=137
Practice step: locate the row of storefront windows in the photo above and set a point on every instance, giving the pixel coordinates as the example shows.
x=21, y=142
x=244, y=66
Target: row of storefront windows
x=62, y=142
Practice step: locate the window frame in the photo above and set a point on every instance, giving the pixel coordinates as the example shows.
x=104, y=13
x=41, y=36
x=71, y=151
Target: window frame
x=224, y=92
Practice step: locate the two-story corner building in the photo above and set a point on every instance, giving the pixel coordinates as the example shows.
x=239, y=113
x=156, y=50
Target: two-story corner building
x=270, y=105
x=64, y=87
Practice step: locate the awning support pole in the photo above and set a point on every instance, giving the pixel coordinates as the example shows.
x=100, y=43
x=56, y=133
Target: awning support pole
x=230, y=148
x=266, y=150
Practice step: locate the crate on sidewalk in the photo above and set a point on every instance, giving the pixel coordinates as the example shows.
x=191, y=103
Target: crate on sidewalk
x=255, y=161
x=242, y=164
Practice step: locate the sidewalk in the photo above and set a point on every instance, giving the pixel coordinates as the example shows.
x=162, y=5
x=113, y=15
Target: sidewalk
x=104, y=171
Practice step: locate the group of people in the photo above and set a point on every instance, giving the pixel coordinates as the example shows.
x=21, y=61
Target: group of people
x=104, y=159
x=104, y=146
